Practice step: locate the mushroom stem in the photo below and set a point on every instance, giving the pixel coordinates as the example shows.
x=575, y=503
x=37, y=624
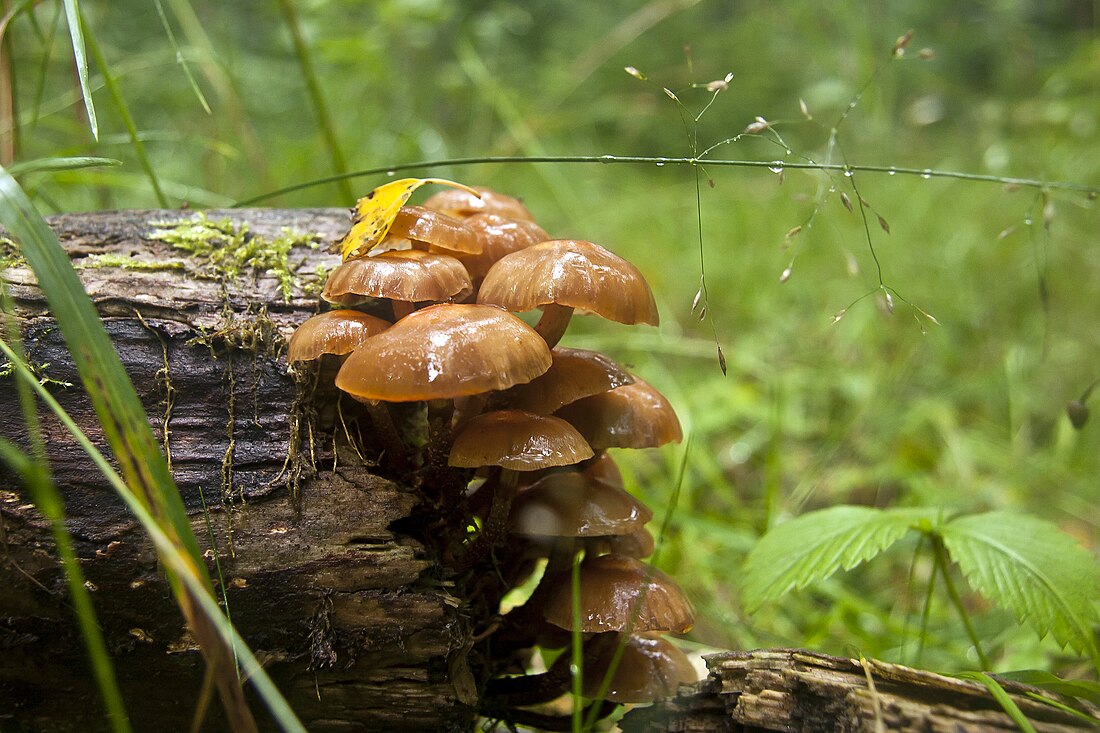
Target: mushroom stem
x=438, y=475
x=401, y=309
x=554, y=321
x=503, y=485
x=533, y=689
x=468, y=407
x=393, y=448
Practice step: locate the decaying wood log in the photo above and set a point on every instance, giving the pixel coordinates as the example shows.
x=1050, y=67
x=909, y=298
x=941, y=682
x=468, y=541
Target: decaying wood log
x=354, y=621
x=794, y=690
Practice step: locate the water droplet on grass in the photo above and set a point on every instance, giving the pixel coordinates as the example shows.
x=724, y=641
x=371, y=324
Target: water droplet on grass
x=926, y=174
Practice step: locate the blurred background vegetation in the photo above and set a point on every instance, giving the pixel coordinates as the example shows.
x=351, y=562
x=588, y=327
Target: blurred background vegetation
x=878, y=409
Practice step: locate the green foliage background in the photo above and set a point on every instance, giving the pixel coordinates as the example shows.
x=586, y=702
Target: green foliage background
x=876, y=409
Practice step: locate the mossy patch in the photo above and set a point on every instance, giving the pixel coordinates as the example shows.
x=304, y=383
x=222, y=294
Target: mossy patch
x=125, y=262
x=227, y=250
x=10, y=254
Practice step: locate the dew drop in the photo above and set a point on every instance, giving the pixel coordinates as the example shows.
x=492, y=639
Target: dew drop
x=1027, y=220
x=776, y=166
x=606, y=158
x=847, y=173
x=926, y=174
x=892, y=172
x=391, y=174
x=660, y=164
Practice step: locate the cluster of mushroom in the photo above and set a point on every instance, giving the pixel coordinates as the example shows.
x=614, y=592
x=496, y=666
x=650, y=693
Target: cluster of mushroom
x=517, y=427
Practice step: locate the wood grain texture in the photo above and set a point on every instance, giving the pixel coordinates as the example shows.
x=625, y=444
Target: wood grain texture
x=348, y=613
x=796, y=690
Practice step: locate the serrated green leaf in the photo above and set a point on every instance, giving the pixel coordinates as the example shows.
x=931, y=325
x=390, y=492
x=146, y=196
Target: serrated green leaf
x=812, y=547
x=1031, y=568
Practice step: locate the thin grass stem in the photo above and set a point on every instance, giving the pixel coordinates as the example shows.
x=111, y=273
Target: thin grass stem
x=943, y=562
x=123, y=110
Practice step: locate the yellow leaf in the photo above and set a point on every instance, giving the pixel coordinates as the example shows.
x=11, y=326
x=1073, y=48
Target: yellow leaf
x=375, y=212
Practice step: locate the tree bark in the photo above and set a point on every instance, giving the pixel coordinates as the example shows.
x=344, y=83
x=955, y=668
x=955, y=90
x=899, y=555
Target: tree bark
x=795, y=690
x=351, y=615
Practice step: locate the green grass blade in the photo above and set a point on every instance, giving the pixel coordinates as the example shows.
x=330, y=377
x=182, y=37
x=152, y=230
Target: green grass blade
x=76, y=32
x=180, y=58
x=313, y=84
x=1003, y=699
x=1083, y=689
x=812, y=547
x=124, y=113
x=177, y=562
x=52, y=165
x=1033, y=569
x=46, y=498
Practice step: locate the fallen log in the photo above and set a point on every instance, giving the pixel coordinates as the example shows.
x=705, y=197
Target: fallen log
x=796, y=690
x=351, y=615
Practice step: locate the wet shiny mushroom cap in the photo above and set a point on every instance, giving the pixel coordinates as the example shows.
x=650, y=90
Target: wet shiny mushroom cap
x=632, y=416
x=335, y=332
x=461, y=203
x=518, y=441
x=651, y=668
x=575, y=374
x=618, y=592
x=500, y=237
x=571, y=273
x=569, y=504
x=445, y=351
x=408, y=275
x=436, y=229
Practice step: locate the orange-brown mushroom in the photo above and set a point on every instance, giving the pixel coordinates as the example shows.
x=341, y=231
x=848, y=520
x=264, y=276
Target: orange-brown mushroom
x=335, y=332
x=568, y=504
x=649, y=668
x=632, y=416
x=462, y=203
x=445, y=351
x=616, y=593
x=575, y=374
x=564, y=275
x=500, y=237
x=436, y=229
x=404, y=277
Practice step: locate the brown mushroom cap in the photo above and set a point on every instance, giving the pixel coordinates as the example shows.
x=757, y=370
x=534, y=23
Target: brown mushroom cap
x=518, y=441
x=572, y=273
x=632, y=416
x=650, y=668
x=445, y=351
x=500, y=237
x=637, y=544
x=568, y=504
x=460, y=203
x=618, y=592
x=575, y=374
x=407, y=275
x=334, y=332
x=436, y=229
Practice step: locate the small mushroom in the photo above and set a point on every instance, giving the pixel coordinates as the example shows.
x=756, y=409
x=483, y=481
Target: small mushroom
x=445, y=351
x=335, y=332
x=514, y=441
x=462, y=203
x=500, y=237
x=436, y=229
x=564, y=275
x=404, y=277
x=617, y=593
x=649, y=668
x=632, y=416
x=568, y=504
x=575, y=374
